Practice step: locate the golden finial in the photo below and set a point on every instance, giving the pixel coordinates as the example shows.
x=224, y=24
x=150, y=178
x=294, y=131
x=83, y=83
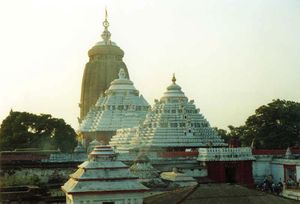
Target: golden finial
x=173, y=78
x=105, y=22
x=106, y=34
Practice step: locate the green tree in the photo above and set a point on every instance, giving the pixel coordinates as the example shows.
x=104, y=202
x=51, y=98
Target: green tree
x=222, y=133
x=233, y=133
x=27, y=130
x=275, y=125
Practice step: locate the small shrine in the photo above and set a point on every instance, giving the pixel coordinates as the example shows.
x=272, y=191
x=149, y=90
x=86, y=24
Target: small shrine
x=143, y=169
x=103, y=179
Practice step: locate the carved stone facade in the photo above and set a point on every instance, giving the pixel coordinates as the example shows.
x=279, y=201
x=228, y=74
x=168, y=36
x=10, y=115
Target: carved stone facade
x=121, y=106
x=105, y=61
x=173, y=124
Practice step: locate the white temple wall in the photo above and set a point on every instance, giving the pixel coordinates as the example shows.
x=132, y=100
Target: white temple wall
x=264, y=166
x=277, y=172
x=126, y=198
x=298, y=172
x=66, y=157
x=261, y=168
x=69, y=199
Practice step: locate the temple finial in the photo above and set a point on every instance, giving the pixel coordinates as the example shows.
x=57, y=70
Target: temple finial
x=105, y=22
x=173, y=78
x=122, y=74
x=105, y=13
x=106, y=34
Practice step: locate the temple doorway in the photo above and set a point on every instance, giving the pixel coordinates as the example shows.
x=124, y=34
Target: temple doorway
x=290, y=175
x=230, y=172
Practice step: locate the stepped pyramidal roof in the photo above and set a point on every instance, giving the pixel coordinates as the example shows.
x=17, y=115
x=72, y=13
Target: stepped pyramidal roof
x=173, y=122
x=121, y=106
x=143, y=168
x=122, y=140
x=102, y=174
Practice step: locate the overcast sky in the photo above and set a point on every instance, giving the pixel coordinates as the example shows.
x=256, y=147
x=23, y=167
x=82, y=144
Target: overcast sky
x=230, y=56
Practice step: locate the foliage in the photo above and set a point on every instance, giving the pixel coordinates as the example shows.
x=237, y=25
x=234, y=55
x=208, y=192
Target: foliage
x=223, y=134
x=273, y=126
x=27, y=130
x=14, y=180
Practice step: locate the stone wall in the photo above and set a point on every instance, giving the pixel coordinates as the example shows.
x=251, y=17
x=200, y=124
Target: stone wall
x=277, y=171
x=261, y=167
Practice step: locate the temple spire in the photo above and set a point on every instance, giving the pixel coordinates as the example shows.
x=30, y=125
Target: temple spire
x=173, y=78
x=106, y=34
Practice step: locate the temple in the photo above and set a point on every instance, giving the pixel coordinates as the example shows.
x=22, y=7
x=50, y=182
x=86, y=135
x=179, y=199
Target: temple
x=121, y=106
x=173, y=124
x=170, y=135
x=105, y=61
x=167, y=146
x=167, y=153
x=103, y=179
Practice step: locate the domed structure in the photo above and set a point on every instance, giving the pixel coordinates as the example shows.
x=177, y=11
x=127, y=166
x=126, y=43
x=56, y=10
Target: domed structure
x=174, y=124
x=120, y=107
x=105, y=61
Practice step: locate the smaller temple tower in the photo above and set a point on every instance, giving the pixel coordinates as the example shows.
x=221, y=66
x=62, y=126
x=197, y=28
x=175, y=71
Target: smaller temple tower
x=102, y=179
x=173, y=124
x=121, y=106
x=170, y=135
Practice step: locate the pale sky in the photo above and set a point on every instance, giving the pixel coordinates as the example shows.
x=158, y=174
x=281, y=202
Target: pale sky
x=230, y=56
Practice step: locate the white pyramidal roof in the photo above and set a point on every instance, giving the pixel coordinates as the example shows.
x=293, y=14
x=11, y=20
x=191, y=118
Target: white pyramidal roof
x=120, y=107
x=102, y=174
x=121, y=141
x=174, y=121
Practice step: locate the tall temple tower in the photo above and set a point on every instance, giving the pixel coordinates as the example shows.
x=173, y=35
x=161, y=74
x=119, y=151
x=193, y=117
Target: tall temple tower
x=105, y=61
